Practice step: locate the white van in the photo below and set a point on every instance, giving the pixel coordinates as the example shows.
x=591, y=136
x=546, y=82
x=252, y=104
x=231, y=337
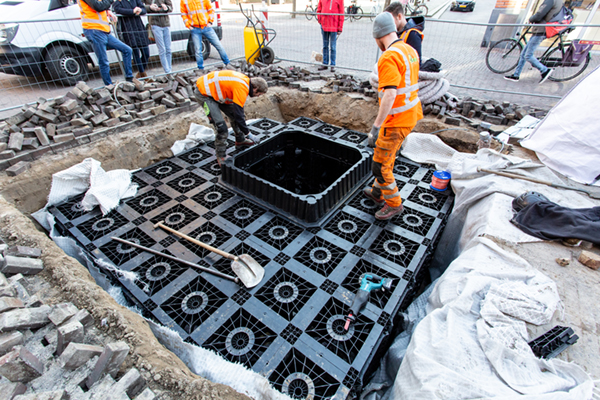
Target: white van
x=44, y=37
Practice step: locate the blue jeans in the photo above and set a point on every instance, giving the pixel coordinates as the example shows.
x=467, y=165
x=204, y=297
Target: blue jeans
x=527, y=55
x=162, y=36
x=103, y=41
x=329, y=40
x=141, y=62
x=212, y=37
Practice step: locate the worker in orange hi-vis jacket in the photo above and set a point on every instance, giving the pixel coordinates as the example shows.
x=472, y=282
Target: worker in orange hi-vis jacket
x=198, y=16
x=227, y=91
x=399, y=111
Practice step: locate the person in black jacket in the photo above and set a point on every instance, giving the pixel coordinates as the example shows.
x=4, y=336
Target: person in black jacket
x=546, y=11
x=409, y=31
x=134, y=32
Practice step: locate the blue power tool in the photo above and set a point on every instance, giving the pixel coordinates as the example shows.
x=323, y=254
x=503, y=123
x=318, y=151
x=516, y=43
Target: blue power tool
x=368, y=283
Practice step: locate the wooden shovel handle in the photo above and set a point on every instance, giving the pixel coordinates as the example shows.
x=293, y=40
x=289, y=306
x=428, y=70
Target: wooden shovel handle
x=191, y=239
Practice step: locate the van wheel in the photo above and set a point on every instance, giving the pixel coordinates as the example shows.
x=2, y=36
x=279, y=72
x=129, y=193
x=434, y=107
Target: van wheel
x=66, y=65
x=205, y=48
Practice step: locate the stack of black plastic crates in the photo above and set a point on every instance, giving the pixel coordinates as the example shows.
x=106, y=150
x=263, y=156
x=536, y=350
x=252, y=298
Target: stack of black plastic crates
x=289, y=328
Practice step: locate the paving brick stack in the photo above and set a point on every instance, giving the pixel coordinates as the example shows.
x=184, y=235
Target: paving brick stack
x=43, y=349
x=85, y=115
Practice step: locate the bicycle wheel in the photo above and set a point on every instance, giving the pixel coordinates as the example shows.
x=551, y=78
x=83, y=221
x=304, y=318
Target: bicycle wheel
x=358, y=14
x=421, y=10
x=563, y=71
x=503, y=55
x=309, y=12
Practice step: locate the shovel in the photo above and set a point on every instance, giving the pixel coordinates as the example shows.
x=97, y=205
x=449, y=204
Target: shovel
x=244, y=266
x=526, y=178
x=179, y=260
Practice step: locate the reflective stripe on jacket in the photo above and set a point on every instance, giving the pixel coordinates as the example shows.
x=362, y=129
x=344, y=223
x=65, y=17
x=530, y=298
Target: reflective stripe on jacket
x=197, y=13
x=92, y=19
x=404, y=35
x=226, y=87
x=398, y=67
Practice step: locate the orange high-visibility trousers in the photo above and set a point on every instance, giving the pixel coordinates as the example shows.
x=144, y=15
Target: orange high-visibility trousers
x=386, y=147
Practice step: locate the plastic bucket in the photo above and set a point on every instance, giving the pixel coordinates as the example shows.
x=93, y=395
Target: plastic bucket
x=440, y=180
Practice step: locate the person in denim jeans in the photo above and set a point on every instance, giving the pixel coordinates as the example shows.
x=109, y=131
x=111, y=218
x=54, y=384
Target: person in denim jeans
x=198, y=16
x=95, y=17
x=331, y=28
x=161, y=28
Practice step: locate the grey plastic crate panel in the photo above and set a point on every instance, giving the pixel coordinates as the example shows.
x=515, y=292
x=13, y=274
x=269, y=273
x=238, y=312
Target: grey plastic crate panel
x=288, y=327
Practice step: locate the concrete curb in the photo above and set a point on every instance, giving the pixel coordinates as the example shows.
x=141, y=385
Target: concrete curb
x=439, y=10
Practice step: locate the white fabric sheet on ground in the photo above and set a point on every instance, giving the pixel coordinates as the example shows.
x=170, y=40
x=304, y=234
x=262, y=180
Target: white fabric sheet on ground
x=473, y=342
x=197, y=134
x=567, y=139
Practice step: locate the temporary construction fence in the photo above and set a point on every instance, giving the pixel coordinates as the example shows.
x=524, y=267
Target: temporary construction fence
x=65, y=56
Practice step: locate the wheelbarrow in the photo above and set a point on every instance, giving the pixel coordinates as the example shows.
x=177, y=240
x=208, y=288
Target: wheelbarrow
x=257, y=39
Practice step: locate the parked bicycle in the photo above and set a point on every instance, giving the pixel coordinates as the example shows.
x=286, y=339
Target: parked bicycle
x=310, y=11
x=353, y=12
x=375, y=11
x=504, y=55
x=416, y=8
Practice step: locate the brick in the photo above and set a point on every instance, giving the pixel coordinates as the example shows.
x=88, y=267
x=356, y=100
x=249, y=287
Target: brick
x=9, y=340
x=22, y=265
x=20, y=365
x=67, y=333
x=8, y=291
x=30, y=144
x=147, y=394
x=126, y=118
x=84, y=317
x=34, y=301
x=63, y=138
x=25, y=318
x=81, y=85
x=46, y=116
x=139, y=85
x=16, y=119
x=14, y=129
x=41, y=135
x=63, y=131
x=158, y=110
x=452, y=121
x=3, y=280
x=6, y=154
x=111, y=122
x=494, y=119
x=99, y=390
x=28, y=131
x=117, y=112
x=131, y=383
x=16, y=141
x=79, y=122
x=87, y=114
x=80, y=94
x=103, y=100
x=3, y=146
x=144, y=114
x=12, y=389
x=82, y=131
x=109, y=362
x=15, y=170
x=158, y=96
x=169, y=103
x=68, y=105
x=77, y=354
x=23, y=251
x=52, y=395
x=98, y=119
x=50, y=130
x=589, y=259
x=62, y=312
x=10, y=303
x=145, y=105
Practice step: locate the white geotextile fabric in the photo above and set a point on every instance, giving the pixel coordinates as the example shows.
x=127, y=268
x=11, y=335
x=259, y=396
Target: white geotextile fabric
x=197, y=134
x=473, y=342
x=215, y=368
x=102, y=188
x=567, y=140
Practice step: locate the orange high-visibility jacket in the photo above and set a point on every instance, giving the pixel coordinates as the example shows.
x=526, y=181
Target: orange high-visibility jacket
x=197, y=13
x=92, y=19
x=404, y=35
x=398, y=67
x=226, y=87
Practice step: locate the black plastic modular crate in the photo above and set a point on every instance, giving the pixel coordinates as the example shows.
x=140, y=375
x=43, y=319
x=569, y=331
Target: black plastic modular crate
x=289, y=327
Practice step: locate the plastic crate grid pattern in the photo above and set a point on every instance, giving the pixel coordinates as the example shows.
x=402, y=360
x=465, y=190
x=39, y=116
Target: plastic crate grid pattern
x=289, y=328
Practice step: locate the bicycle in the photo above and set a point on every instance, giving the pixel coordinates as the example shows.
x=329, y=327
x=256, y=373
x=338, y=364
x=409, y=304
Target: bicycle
x=504, y=55
x=353, y=12
x=374, y=11
x=418, y=8
x=310, y=11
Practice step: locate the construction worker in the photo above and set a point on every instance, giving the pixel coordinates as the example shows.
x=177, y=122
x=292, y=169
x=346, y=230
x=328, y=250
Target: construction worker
x=399, y=111
x=227, y=91
x=95, y=17
x=198, y=16
x=409, y=31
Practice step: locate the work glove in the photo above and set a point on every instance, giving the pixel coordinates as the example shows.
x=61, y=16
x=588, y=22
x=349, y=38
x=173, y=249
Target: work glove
x=373, y=135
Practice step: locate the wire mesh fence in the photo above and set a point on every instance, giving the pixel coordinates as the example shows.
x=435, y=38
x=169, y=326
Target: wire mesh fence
x=44, y=58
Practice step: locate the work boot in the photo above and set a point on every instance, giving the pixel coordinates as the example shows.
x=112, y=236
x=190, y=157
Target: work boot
x=322, y=67
x=332, y=69
x=388, y=212
x=369, y=193
x=247, y=143
x=229, y=67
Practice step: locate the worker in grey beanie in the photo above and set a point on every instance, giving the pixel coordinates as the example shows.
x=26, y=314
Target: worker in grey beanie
x=399, y=111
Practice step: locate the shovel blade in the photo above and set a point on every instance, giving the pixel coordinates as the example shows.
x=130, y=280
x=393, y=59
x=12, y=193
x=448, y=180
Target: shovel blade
x=248, y=270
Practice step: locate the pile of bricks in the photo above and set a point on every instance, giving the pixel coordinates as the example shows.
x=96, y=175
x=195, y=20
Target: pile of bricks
x=45, y=351
x=491, y=114
x=85, y=115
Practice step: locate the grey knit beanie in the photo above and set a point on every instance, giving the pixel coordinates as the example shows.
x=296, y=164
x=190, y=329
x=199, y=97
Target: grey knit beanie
x=383, y=25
